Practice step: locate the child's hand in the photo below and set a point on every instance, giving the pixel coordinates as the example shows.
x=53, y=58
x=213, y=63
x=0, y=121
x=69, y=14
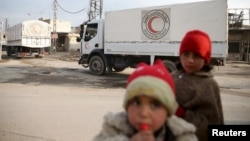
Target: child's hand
x=180, y=112
x=143, y=136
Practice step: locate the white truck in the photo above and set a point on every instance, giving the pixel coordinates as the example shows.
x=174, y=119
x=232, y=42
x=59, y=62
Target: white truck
x=28, y=38
x=127, y=37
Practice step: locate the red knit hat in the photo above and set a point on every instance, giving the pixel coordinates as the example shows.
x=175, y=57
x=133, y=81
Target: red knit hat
x=153, y=81
x=199, y=42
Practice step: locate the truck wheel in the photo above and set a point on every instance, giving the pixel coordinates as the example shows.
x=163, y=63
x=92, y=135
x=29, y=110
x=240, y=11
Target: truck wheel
x=170, y=65
x=38, y=56
x=97, y=66
x=9, y=51
x=16, y=53
x=118, y=69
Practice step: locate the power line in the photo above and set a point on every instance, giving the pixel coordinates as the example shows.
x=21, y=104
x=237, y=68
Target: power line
x=70, y=11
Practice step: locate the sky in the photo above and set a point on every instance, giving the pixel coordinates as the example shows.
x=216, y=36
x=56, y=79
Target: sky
x=16, y=11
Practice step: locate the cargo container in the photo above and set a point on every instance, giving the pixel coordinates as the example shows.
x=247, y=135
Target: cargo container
x=28, y=38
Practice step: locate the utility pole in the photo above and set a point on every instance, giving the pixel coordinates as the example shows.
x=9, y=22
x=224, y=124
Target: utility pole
x=6, y=25
x=1, y=36
x=54, y=34
x=95, y=9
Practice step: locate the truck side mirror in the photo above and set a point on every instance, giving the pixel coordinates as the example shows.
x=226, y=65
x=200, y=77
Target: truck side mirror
x=78, y=39
x=81, y=31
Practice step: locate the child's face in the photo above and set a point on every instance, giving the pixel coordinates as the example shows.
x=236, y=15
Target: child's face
x=191, y=62
x=147, y=110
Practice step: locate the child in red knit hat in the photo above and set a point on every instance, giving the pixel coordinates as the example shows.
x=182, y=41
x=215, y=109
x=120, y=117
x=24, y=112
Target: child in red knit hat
x=150, y=108
x=197, y=92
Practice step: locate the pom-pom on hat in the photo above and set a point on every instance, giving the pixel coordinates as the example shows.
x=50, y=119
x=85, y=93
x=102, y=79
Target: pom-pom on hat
x=152, y=81
x=199, y=42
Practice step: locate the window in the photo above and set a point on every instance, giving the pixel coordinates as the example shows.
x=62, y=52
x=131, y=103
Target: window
x=91, y=32
x=234, y=47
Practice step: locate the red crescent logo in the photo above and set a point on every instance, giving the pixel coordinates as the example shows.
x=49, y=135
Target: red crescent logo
x=155, y=24
x=150, y=27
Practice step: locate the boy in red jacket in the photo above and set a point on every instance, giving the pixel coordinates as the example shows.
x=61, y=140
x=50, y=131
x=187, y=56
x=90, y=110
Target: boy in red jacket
x=197, y=93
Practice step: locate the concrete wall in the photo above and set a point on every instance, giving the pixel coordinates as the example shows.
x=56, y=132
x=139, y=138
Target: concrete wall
x=239, y=40
x=73, y=45
x=61, y=26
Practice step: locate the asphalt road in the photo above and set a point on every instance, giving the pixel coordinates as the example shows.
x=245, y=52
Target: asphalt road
x=50, y=99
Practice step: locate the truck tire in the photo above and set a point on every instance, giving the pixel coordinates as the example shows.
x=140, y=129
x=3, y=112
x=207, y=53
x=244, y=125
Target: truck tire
x=97, y=65
x=16, y=52
x=170, y=66
x=9, y=52
x=118, y=69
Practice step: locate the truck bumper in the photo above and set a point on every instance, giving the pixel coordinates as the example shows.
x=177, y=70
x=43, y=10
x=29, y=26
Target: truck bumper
x=83, y=60
x=28, y=54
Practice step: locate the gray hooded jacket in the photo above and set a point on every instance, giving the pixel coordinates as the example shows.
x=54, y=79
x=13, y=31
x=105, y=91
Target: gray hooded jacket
x=117, y=128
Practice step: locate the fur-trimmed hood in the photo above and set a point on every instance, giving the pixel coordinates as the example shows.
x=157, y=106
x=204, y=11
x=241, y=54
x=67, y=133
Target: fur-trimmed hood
x=117, y=128
x=201, y=92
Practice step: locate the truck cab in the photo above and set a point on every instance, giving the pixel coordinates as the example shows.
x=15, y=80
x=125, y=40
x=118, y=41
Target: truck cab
x=92, y=46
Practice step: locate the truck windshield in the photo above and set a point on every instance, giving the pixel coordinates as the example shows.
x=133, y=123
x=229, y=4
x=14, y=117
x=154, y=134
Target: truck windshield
x=91, y=31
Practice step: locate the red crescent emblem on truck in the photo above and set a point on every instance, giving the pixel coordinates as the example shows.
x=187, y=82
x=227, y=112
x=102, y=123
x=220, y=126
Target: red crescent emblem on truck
x=155, y=23
x=86, y=45
x=36, y=28
x=150, y=24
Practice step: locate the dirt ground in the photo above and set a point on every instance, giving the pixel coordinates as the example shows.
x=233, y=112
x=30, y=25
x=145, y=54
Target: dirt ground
x=57, y=69
x=62, y=68
x=55, y=99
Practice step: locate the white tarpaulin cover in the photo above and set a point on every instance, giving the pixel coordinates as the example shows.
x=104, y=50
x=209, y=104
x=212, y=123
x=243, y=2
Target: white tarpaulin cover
x=30, y=28
x=32, y=33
